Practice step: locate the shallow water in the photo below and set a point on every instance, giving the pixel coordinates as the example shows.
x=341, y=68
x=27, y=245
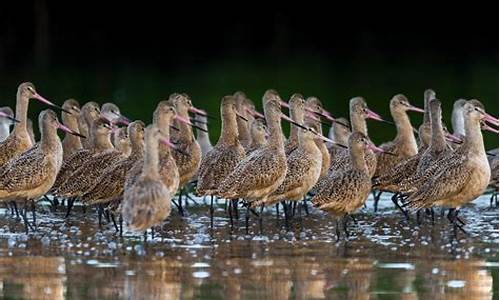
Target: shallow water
x=385, y=257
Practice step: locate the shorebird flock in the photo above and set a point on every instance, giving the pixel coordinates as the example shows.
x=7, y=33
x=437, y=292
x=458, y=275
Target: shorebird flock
x=131, y=172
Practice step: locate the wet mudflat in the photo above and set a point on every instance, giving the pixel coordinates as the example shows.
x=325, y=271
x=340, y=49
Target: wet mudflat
x=384, y=258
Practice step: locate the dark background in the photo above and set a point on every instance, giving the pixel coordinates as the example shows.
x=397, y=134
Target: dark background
x=137, y=54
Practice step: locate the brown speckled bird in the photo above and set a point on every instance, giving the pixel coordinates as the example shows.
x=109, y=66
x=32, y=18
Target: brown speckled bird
x=296, y=106
x=19, y=140
x=146, y=202
x=224, y=157
x=31, y=174
x=111, y=183
x=346, y=191
x=463, y=176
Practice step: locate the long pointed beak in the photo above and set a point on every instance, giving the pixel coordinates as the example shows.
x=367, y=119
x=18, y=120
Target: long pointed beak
x=186, y=121
x=200, y=112
x=66, y=129
x=324, y=138
x=241, y=117
x=2, y=114
x=284, y=104
x=378, y=149
x=316, y=119
x=452, y=138
x=174, y=128
x=370, y=114
x=43, y=100
x=490, y=119
x=173, y=146
x=486, y=127
x=255, y=113
x=194, y=120
x=287, y=118
x=414, y=108
x=122, y=119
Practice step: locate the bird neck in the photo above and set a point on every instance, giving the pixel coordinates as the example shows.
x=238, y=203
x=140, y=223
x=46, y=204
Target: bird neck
x=358, y=123
x=21, y=115
x=438, y=141
x=298, y=116
x=404, y=128
x=243, y=132
x=48, y=137
x=358, y=159
x=473, y=136
x=102, y=142
x=150, y=168
x=70, y=139
x=229, y=131
x=458, y=122
x=275, y=132
x=164, y=124
x=185, y=131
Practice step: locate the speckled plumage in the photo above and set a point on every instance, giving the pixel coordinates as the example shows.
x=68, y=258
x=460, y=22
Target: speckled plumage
x=303, y=171
x=111, y=183
x=31, y=174
x=462, y=176
x=258, y=132
x=71, y=143
x=260, y=173
x=346, y=191
x=225, y=156
x=314, y=104
x=147, y=202
x=187, y=164
x=493, y=161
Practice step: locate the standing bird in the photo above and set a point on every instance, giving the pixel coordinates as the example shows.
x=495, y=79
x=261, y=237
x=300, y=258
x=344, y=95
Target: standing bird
x=189, y=158
x=243, y=128
x=260, y=174
x=346, y=191
x=89, y=113
x=224, y=157
x=71, y=143
x=303, y=171
x=258, y=133
x=462, y=176
x=146, y=203
x=6, y=121
x=86, y=175
x=110, y=185
x=31, y=174
x=19, y=140
x=314, y=104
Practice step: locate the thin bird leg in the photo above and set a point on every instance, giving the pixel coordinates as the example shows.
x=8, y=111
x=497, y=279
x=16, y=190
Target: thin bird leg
x=179, y=206
x=14, y=206
x=211, y=211
x=277, y=212
x=120, y=220
x=99, y=215
x=33, y=212
x=27, y=224
x=229, y=204
x=235, y=208
x=260, y=218
x=345, y=220
x=106, y=214
x=294, y=205
x=304, y=203
x=53, y=206
x=430, y=211
x=247, y=218
x=337, y=229
x=70, y=205
x=394, y=199
x=145, y=235
x=114, y=222
x=152, y=233
x=376, y=198
x=419, y=221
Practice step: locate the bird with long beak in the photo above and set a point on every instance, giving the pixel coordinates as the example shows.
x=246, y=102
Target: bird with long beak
x=404, y=145
x=345, y=191
x=31, y=174
x=260, y=174
x=20, y=141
